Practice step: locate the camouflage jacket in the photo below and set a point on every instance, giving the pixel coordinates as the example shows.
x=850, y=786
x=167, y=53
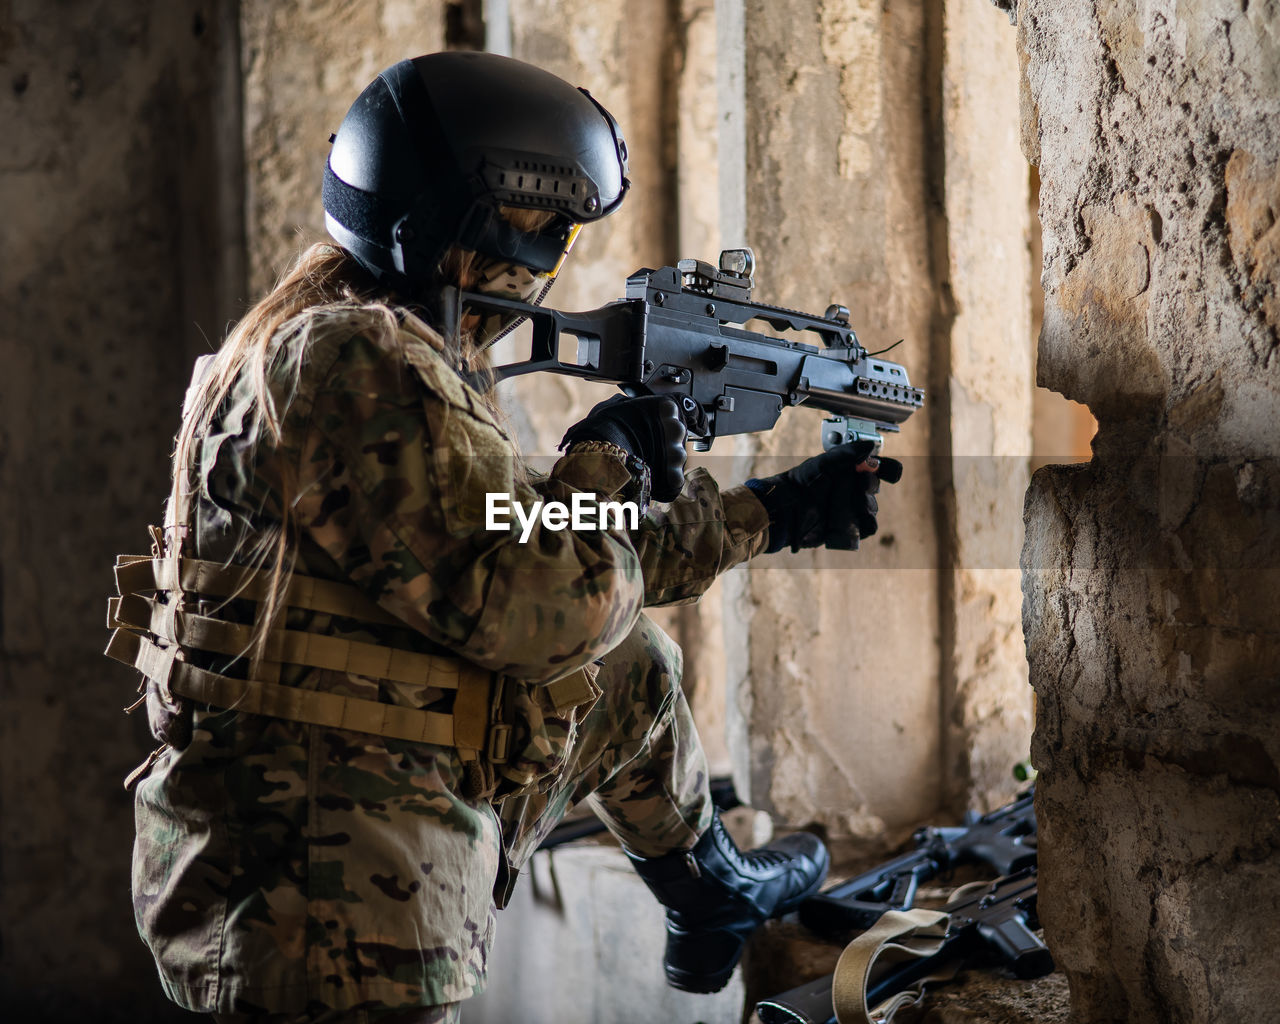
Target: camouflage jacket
x=279, y=864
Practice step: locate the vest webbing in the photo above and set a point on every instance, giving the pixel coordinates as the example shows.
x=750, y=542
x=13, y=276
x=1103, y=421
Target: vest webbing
x=294, y=647
x=138, y=573
x=312, y=707
x=151, y=635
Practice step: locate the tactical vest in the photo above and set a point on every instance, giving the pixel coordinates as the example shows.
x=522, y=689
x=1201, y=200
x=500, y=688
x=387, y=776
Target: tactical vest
x=156, y=629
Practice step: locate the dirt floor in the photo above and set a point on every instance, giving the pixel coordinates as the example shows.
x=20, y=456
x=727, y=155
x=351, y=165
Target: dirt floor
x=981, y=996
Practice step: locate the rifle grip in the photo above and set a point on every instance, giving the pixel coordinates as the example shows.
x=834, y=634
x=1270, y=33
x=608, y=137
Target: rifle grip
x=889, y=470
x=1019, y=947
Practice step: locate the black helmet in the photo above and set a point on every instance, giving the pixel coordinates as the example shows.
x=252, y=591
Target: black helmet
x=434, y=145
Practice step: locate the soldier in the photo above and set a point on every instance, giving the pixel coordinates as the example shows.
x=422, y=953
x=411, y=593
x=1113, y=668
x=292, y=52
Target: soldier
x=372, y=707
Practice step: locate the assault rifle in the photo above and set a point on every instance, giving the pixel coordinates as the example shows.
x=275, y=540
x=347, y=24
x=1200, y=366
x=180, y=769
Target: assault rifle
x=681, y=331
x=1004, y=840
x=993, y=925
x=998, y=920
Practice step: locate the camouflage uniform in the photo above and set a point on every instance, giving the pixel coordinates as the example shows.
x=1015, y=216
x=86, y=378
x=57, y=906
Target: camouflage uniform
x=281, y=866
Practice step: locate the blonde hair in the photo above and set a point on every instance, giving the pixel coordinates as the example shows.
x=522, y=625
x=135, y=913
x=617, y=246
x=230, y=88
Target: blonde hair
x=324, y=276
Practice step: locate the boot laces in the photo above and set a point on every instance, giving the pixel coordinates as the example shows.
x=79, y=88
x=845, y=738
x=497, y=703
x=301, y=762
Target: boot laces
x=767, y=858
x=760, y=858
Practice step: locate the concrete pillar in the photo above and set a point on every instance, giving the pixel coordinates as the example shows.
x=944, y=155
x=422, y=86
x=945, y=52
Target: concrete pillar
x=881, y=171
x=835, y=726
x=1151, y=574
x=121, y=242
x=983, y=415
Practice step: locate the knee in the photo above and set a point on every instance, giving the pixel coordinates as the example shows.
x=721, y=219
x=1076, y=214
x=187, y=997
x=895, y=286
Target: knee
x=664, y=659
x=647, y=662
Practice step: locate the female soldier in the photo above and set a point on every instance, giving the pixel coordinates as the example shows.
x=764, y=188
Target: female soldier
x=372, y=707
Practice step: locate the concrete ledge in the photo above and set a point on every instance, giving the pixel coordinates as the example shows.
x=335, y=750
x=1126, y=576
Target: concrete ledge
x=581, y=943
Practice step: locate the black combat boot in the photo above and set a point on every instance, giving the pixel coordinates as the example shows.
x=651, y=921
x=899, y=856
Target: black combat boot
x=716, y=896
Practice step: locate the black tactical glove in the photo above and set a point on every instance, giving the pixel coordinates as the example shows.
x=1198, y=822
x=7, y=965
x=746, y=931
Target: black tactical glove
x=649, y=428
x=826, y=501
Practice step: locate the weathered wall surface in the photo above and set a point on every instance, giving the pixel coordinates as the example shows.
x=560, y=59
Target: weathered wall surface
x=841, y=728
x=1152, y=587
x=880, y=685
x=164, y=167
x=120, y=254
x=304, y=62
x=984, y=413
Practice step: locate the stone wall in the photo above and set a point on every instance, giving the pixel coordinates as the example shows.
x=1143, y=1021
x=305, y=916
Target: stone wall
x=122, y=259
x=1151, y=579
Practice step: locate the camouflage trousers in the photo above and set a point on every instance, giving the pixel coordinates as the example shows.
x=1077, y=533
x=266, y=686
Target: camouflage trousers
x=636, y=759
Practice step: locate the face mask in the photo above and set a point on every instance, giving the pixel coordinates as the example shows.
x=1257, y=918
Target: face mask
x=506, y=280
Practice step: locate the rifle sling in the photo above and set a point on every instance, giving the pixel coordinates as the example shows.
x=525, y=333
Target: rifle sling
x=893, y=942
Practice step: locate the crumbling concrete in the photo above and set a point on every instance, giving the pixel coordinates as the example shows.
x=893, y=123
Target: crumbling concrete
x=1151, y=579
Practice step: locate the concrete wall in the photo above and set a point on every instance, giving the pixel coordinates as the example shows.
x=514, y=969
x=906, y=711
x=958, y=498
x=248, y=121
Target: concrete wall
x=161, y=159
x=304, y=62
x=582, y=940
x=982, y=340
x=835, y=204
x=1151, y=573
x=120, y=261
x=882, y=171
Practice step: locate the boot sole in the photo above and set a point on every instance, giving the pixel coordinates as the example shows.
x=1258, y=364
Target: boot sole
x=703, y=984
